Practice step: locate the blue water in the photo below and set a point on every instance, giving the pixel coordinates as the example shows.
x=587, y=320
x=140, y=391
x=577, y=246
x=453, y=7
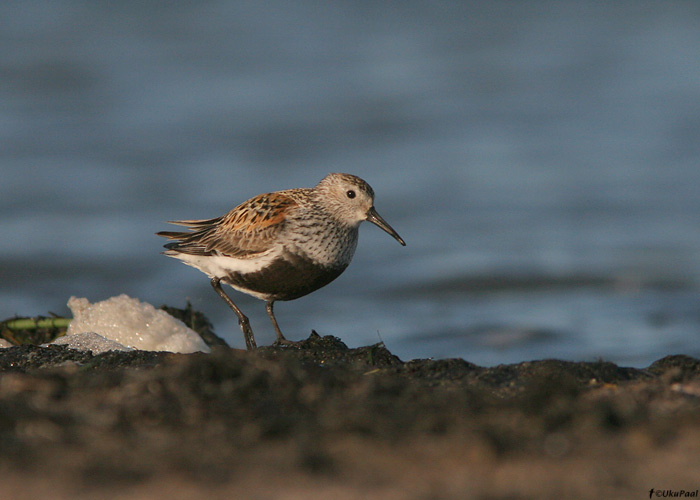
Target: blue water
x=540, y=158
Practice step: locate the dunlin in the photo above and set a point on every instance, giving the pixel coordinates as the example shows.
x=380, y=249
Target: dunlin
x=281, y=245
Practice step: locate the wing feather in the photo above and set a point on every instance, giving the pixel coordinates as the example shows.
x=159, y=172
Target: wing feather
x=245, y=232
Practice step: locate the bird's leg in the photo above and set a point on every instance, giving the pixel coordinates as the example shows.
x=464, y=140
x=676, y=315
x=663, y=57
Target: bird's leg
x=271, y=314
x=242, y=318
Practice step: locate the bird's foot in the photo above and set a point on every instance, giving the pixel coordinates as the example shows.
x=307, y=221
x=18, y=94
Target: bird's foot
x=282, y=342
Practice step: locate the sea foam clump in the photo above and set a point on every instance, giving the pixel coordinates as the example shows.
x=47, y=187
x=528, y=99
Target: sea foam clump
x=132, y=323
x=90, y=341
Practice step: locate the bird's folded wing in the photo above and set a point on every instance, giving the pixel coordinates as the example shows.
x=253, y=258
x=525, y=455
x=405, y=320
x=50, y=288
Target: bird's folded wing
x=248, y=230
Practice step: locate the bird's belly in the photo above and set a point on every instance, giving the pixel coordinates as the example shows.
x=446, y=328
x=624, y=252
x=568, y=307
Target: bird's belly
x=287, y=277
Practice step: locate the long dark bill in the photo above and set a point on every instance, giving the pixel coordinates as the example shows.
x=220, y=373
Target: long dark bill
x=375, y=218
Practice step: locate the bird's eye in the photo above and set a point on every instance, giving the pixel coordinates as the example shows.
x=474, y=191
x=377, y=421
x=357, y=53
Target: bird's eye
x=351, y=194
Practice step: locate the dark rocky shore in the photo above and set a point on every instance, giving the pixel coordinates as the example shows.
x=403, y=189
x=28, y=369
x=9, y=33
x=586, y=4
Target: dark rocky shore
x=323, y=421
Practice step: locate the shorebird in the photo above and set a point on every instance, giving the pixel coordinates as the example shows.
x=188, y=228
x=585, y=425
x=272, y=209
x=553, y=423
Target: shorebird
x=281, y=245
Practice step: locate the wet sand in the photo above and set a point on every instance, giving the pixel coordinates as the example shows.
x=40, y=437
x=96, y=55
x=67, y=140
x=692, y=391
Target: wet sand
x=324, y=421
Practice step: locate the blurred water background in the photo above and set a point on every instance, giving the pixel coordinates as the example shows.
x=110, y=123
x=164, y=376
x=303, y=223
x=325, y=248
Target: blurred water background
x=540, y=158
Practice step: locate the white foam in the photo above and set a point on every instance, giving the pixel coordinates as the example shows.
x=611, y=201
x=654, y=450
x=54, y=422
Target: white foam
x=90, y=341
x=132, y=323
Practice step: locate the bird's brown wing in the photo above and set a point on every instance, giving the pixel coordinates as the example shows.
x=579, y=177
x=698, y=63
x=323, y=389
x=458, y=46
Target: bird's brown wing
x=246, y=231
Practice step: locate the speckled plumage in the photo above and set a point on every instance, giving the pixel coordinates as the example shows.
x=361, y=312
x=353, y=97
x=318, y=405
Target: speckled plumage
x=281, y=245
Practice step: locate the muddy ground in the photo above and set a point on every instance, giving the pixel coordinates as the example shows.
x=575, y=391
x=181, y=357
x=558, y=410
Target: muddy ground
x=323, y=421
